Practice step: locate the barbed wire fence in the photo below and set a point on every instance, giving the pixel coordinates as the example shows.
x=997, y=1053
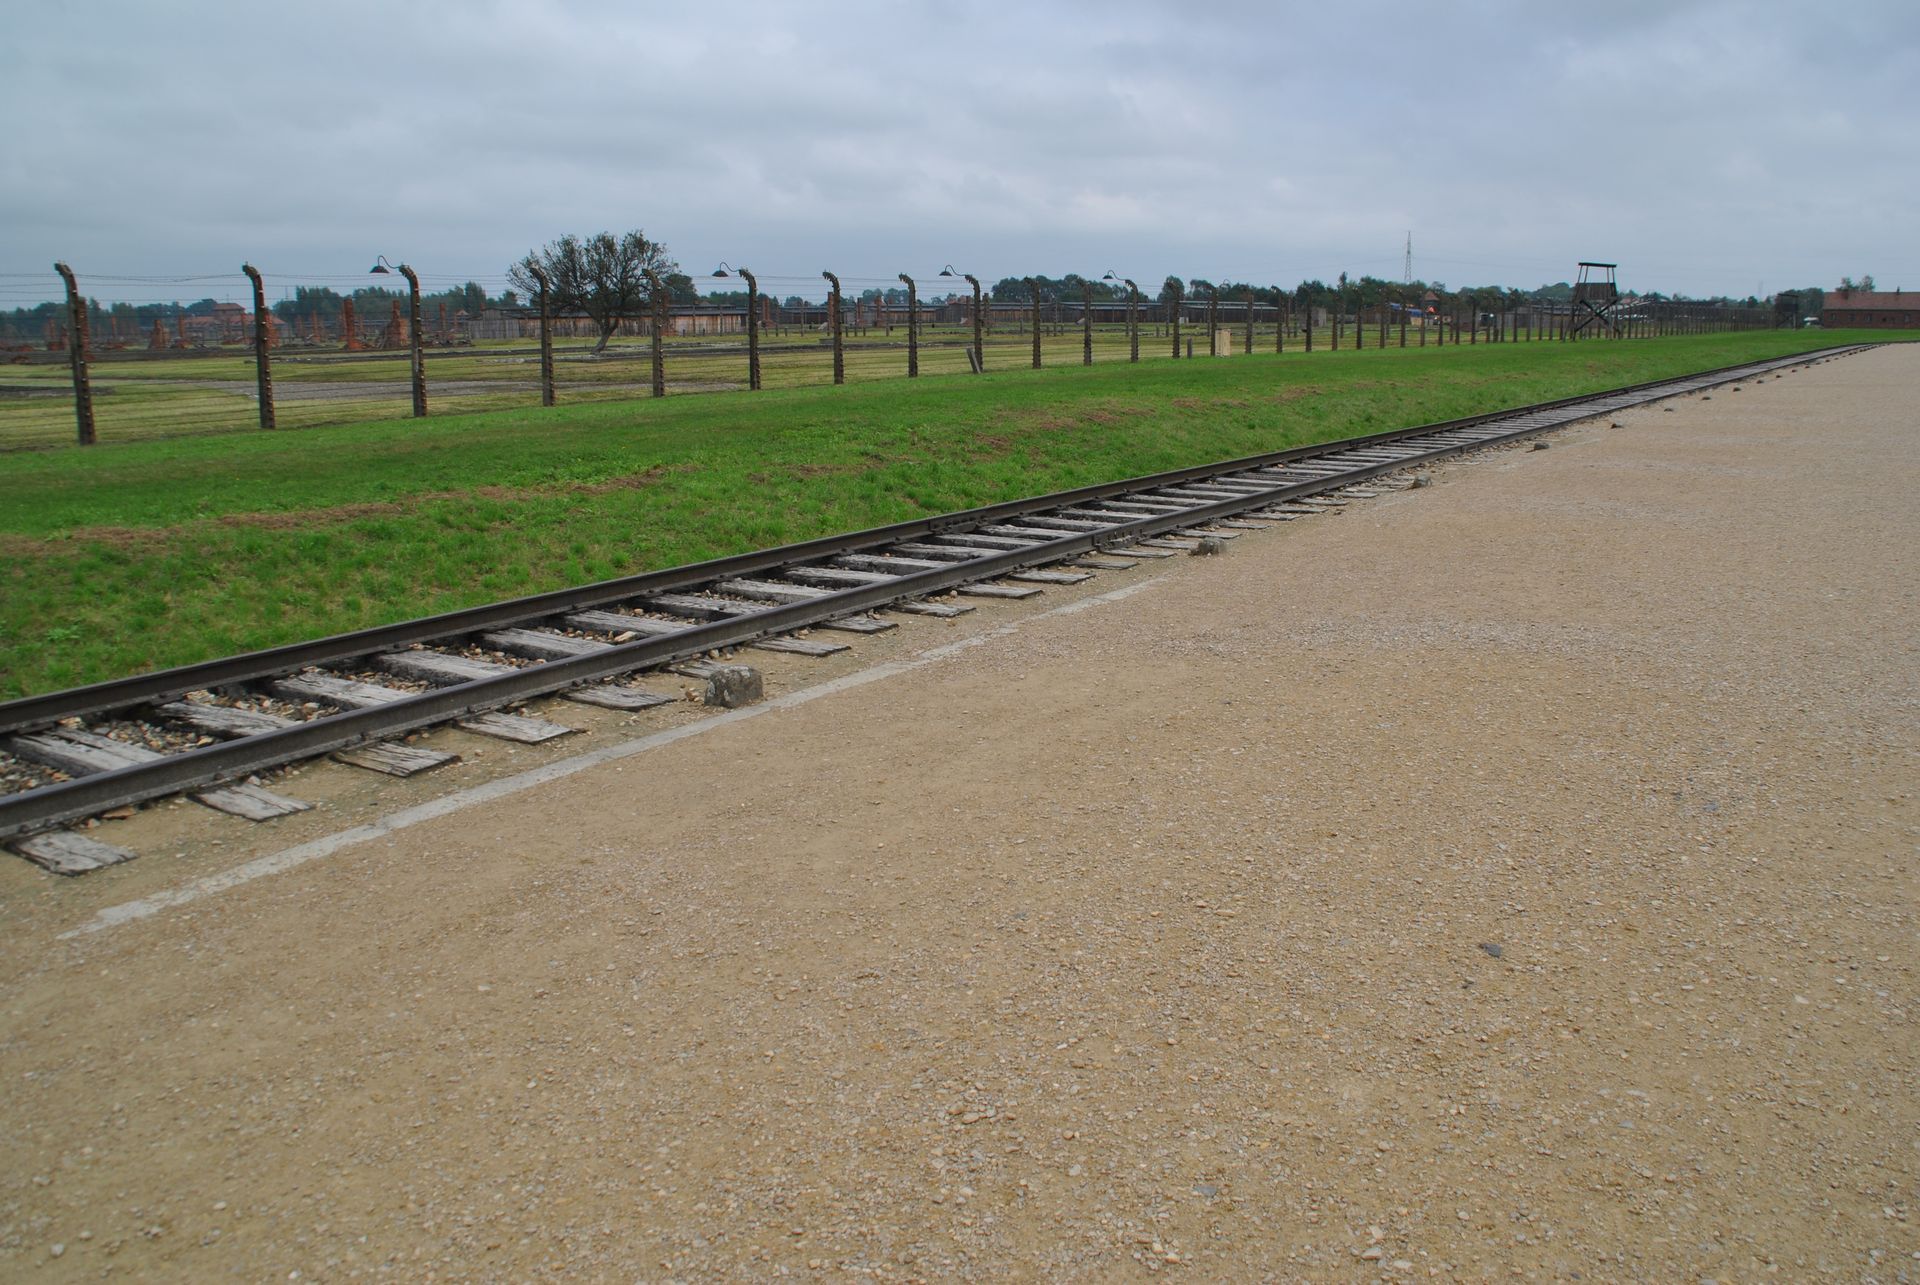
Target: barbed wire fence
x=280, y=350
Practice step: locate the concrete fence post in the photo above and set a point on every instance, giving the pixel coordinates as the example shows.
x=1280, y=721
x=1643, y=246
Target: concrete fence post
x=262, y=341
x=1034, y=287
x=416, y=349
x=546, y=334
x=657, y=298
x=913, y=328
x=77, y=355
x=1213, y=320
x=753, y=329
x=1179, y=298
x=836, y=324
x=1133, y=321
x=979, y=324
x=1086, y=323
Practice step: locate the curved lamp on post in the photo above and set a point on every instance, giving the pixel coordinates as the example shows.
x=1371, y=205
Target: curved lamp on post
x=415, y=351
x=1213, y=320
x=833, y=322
x=753, y=322
x=1133, y=322
x=657, y=290
x=979, y=347
x=913, y=328
x=546, y=333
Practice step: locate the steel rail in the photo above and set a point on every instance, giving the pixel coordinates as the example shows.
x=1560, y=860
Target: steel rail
x=64, y=802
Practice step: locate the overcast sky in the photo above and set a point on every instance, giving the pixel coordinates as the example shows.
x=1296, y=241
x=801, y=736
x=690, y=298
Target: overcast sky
x=1707, y=147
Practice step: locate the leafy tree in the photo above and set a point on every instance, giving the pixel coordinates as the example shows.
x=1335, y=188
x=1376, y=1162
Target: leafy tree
x=603, y=276
x=1072, y=286
x=308, y=301
x=1075, y=286
x=680, y=287
x=1172, y=289
x=470, y=298
x=1017, y=289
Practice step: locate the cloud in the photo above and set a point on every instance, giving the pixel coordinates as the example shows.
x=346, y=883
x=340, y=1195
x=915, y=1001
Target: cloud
x=1703, y=145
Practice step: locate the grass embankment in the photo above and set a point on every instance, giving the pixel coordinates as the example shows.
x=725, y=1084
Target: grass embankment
x=121, y=558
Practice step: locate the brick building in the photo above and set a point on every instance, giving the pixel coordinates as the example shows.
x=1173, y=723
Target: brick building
x=1879, y=309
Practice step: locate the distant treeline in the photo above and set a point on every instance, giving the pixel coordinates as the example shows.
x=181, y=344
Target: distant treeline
x=1364, y=292
x=374, y=302
x=369, y=302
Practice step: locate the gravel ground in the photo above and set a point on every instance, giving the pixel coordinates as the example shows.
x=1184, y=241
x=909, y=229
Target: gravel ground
x=1513, y=876
x=17, y=774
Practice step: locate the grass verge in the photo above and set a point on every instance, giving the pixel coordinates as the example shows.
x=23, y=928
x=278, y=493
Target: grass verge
x=127, y=557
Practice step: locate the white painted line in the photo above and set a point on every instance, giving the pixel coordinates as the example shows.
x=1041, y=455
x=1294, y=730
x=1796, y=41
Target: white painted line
x=325, y=846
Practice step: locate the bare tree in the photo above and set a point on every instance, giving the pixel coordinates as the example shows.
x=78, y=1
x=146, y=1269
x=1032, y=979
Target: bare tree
x=603, y=276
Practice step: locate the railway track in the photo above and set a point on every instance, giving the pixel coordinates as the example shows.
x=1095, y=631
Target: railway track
x=204, y=729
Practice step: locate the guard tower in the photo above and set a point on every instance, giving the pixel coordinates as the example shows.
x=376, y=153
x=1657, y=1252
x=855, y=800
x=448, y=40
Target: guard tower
x=1595, y=296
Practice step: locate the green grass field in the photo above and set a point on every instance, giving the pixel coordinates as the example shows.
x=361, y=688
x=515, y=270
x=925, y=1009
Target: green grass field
x=135, y=555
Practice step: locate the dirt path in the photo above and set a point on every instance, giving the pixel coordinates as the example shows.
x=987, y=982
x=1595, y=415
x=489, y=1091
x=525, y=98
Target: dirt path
x=1512, y=874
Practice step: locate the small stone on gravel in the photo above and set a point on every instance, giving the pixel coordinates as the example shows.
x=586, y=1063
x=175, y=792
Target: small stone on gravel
x=731, y=686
